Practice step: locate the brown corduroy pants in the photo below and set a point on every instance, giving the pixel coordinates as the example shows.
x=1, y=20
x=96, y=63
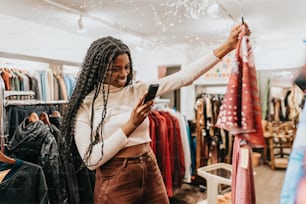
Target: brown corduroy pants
x=130, y=181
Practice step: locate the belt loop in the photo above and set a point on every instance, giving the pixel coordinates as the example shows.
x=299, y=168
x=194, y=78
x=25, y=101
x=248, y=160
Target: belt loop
x=141, y=158
x=125, y=162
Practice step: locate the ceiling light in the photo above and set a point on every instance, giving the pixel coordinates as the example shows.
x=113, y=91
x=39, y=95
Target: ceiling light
x=81, y=28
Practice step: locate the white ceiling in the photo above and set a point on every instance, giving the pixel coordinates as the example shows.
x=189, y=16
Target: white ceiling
x=166, y=22
x=278, y=26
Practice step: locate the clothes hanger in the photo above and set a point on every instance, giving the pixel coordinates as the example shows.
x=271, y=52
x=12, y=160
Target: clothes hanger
x=33, y=117
x=241, y=12
x=3, y=157
x=6, y=159
x=45, y=118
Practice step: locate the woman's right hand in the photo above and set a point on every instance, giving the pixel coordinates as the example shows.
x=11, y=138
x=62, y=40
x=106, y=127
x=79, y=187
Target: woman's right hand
x=138, y=115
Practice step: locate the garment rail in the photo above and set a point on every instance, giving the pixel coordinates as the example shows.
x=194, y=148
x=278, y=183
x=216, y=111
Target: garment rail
x=18, y=93
x=161, y=104
x=33, y=102
x=7, y=103
x=30, y=101
x=2, y=136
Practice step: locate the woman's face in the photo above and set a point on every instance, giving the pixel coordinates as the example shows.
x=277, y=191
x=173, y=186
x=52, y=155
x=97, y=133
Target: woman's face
x=118, y=72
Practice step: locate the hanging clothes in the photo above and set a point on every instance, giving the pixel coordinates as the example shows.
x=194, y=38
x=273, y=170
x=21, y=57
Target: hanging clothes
x=46, y=85
x=17, y=113
x=266, y=102
x=175, y=147
x=240, y=114
x=181, y=127
x=214, y=143
x=5, y=74
x=162, y=150
x=33, y=142
x=25, y=183
x=170, y=143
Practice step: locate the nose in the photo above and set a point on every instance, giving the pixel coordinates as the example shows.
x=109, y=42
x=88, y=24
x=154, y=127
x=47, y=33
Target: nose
x=124, y=72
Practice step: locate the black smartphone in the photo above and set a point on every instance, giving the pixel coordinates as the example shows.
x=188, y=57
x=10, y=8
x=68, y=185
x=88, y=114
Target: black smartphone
x=152, y=90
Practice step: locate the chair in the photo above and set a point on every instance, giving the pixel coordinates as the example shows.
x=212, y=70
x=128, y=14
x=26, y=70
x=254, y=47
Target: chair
x=279, y=138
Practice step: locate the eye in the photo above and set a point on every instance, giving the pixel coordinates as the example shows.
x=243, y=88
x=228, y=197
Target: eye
x=115, y=69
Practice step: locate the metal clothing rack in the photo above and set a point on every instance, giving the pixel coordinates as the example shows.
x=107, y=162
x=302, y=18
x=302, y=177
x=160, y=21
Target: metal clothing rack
x=33, y=102
x=29, y=95
x=30, y=101
x=2, y=136
x=161, y=103
x=18, y=93
x=4, y=102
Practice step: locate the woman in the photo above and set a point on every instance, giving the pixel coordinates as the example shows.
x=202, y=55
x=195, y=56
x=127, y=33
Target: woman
x=107, y=120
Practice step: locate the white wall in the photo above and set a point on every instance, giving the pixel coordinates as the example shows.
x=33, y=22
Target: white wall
x=23, y=37
x=146, y=61
x=279, y=52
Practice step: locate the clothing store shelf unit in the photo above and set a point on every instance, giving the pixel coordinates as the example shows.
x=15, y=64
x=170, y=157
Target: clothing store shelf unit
x=215, y=175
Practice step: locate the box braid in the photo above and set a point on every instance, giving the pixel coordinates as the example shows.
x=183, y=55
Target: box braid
x=99, y=57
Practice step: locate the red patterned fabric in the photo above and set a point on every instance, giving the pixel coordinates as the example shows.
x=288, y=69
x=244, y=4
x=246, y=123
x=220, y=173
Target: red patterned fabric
x=240, y=112
x=243, y=188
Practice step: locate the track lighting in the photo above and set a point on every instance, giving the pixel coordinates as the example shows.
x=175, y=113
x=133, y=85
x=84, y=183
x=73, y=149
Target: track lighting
x=81, y=28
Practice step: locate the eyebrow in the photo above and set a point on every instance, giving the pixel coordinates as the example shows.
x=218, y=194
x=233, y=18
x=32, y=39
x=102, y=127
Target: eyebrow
x=120, y=66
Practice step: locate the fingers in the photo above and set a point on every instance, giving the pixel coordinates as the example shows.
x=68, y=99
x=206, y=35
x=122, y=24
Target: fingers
x=143, y=110
x=236, y=27
x=144, y=113
x=239, y=30
x=141, y=100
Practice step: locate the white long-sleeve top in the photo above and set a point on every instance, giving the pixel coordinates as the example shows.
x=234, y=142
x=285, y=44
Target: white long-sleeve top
x=121, y=102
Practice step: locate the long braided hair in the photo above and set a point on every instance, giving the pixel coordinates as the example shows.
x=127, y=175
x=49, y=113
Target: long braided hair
x=99, y=57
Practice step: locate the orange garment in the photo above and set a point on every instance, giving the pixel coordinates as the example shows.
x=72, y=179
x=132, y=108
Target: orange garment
x=6, y=78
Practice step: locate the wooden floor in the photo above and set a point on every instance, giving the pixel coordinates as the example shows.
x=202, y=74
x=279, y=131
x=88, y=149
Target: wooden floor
x=268, y=184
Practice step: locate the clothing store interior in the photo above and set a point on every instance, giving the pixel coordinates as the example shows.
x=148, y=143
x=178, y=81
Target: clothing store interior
x=234, y=135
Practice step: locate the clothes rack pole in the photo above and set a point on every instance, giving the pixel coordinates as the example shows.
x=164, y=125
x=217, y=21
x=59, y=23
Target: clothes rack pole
x=2, y=141
x=33, y=102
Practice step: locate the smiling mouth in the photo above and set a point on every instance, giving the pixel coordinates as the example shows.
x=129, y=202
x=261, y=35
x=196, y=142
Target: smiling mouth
x=122, y=80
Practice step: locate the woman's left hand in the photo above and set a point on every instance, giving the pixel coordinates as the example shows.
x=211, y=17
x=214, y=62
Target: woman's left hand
x=141, y=111
x=138, y=115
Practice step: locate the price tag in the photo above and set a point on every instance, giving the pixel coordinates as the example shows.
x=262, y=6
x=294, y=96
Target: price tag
x=244, y=157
